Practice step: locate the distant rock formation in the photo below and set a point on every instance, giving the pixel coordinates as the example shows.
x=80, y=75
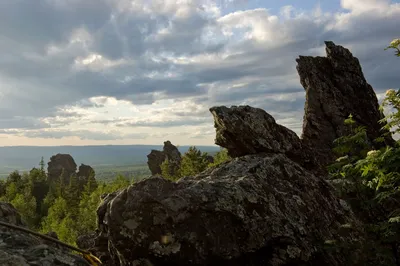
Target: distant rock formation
x=335, y=87
x=64, y=164
x=19, y=248
x=61, y=164
x=210, y=159
x=85, y=171
x=156, y=158
x=270, y=204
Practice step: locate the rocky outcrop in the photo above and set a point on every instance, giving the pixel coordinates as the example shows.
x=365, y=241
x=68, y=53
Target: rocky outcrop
x=270, y=205
x=258, y=133
x=85, y=171
x=61, y=165
x=335, y=87
x=156, y=158
x=19, y=248
x=64, y=165
x=260, y=209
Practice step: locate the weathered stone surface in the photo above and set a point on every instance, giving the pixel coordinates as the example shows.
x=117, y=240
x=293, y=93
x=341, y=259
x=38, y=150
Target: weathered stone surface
x=254, y=210
x=335, y=87
x=21, y=249
x=156, y=158
x=61, y=164
x=244, y=130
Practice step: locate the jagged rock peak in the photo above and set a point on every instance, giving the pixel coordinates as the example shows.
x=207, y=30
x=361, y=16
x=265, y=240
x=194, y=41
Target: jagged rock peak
x=335, y=87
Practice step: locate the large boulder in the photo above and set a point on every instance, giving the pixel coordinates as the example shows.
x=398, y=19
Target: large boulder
x=246, y=130
x=61, y=165
x=261, y=209
x=22, y=249
x=335, y=88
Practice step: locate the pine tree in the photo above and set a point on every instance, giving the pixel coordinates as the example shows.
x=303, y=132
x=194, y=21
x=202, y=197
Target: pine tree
x=42, y=165
x=193, y=162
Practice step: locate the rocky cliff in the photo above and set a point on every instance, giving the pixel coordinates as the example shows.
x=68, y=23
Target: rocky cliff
x=270, y=205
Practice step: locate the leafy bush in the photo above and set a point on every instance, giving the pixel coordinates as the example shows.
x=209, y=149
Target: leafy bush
x=369, y=180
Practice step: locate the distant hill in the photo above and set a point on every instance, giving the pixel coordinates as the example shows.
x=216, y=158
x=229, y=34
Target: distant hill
x=25, y=157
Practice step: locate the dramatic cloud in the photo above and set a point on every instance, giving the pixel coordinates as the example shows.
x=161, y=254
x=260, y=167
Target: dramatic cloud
x=122, y=71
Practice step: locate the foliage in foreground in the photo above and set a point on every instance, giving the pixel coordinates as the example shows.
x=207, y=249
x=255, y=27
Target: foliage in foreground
x=193, y=162
x=50, y=206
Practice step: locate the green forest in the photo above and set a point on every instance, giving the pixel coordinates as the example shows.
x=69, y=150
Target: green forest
x=69, y=210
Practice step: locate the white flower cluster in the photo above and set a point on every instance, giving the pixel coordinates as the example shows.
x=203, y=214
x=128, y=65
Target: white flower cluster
x=390, y=92
x=372, y=153
x=395, y=43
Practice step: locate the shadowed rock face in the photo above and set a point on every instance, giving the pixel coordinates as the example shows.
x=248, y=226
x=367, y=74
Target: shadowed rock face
x=156, y=158
x=335, y=87
x=264, y=202
x=85, y=171
x=19, y=248
x=61, y=164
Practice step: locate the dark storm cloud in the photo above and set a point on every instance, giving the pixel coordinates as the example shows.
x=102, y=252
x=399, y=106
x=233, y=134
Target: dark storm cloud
x=35, y=83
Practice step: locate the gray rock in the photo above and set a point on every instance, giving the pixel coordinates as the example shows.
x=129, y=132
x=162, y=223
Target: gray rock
x=19, y=248
x=254, y=210
x=244, y=130
x=336, y=87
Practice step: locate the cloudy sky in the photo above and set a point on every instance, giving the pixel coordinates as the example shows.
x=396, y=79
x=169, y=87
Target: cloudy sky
x=85, y=72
